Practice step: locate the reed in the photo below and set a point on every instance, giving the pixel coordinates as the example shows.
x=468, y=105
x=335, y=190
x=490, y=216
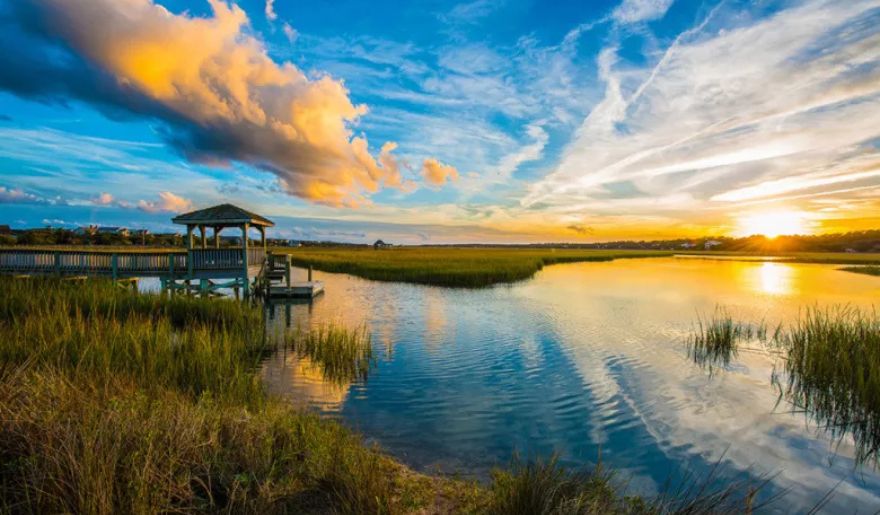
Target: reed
x=343, y=355
x=715, y=341
x=832, y=373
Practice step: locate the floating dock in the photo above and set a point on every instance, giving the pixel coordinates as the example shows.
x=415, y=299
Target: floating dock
x=300, y=290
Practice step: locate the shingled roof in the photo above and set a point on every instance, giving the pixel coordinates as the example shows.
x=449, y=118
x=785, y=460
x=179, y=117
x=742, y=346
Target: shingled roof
x=223, y=214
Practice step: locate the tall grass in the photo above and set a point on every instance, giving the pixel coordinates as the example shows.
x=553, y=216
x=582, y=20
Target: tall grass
x=832, y=373
x=114, y=402
x=715, y=341
x=343, y=355
x=449, y=266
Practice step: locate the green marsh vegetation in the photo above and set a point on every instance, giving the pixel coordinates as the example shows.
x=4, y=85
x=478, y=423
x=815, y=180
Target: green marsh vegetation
x=867, y=270
x=343, y=355
x=716, y=339
x=832, y=373
x=118, y=402
x=114, y=402
x=449, y=266
x=827, y=367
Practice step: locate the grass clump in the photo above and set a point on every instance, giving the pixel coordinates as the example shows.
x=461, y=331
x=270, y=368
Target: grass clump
x=343, y=355
x=715, y=340
x=832, y=373
x=449, y=266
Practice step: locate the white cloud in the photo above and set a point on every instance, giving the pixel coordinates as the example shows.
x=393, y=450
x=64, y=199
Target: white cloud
x=270, y=10
x=632, y=11
x=781, y=104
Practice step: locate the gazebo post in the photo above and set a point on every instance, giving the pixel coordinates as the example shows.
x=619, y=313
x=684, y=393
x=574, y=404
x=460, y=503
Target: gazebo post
x=217, y=230
x=189, y=237
x=244, y=249
x=263, y=237
x=203, y=231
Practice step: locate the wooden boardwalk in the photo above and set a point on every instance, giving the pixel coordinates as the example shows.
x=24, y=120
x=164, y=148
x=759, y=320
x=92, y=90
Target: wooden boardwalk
x=195, y=264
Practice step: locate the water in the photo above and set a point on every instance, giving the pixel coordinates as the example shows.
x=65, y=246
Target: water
x=584, y=359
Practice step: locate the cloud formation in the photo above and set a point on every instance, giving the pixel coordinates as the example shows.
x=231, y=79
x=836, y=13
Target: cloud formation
x=220, y=95
x=632, y=11
x=168, y=203
x=771, y=109
x=104, y=199
x=436, y=173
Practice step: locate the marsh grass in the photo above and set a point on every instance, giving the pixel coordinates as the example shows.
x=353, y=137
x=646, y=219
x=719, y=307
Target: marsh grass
x=449, y=266
x=114, y=402
x=715, y=340
x=544, y=487
x=832, y=373
x=867, y=270
x=343, y=355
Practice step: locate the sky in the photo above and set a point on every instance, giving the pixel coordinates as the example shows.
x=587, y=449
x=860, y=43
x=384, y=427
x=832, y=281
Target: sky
x=483, y=121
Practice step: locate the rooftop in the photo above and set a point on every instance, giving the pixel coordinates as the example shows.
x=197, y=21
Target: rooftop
x=223, y=214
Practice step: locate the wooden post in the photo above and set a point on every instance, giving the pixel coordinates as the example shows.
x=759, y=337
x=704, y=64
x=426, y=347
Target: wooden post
x=244, y=252
x=263, y=237
x=217, y=237
x=189, y=237
x=203, y=232
x=287, y=270
x=310, y=273
x=57, y=263
x=114, y=265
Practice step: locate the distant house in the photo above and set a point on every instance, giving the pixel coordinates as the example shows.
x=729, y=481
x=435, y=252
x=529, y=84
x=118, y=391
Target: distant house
x=688, y=245
x=87, y=230
x=711, y=244
x=122, y=231
x=381, y=245
x=851, y=251
x=5, y=230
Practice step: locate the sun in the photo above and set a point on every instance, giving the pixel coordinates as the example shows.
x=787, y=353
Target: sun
x=773, y=223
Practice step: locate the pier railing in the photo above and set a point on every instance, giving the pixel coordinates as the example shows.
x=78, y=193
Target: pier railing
x=115, y=264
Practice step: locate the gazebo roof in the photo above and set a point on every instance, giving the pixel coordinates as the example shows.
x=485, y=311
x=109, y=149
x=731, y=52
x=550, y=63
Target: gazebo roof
x=223, y=214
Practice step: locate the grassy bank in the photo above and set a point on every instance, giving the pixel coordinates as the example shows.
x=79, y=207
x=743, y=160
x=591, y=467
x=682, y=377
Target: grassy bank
x=449, y=266
x=114, y=402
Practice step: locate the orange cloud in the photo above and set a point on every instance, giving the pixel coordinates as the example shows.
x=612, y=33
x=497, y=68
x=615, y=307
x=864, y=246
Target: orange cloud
x=168, y=202
x=437, y=173
x=104, y=199
x=221, y=94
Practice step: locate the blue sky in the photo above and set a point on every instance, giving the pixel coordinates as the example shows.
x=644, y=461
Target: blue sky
x=488, y=120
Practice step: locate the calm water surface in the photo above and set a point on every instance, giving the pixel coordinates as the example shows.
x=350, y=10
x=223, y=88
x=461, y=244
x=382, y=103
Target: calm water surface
x=584, y=359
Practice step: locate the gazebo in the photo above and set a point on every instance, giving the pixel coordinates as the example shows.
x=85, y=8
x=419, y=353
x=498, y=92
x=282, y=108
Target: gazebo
x=204, y=263
x=218, y=218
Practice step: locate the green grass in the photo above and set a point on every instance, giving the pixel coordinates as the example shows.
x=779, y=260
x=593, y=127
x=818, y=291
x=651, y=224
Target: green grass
x=448, y=266
x=868, y=270
x=715, y=341
x=828, y=367
x=343, y=355
x=114, y=402
x=832, y=373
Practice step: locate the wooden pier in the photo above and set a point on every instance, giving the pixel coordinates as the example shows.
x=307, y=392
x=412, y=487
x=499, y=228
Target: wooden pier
x=198, y=269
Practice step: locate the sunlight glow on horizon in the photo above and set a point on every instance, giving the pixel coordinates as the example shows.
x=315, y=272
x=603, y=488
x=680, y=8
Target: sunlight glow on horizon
x=773, y=223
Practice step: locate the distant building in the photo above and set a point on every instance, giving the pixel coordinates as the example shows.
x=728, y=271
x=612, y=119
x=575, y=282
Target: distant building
x=5, y=230
x=850, y=251
x=381, y=245
x=122, y=231
x=711, y=244
x=688, y=245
